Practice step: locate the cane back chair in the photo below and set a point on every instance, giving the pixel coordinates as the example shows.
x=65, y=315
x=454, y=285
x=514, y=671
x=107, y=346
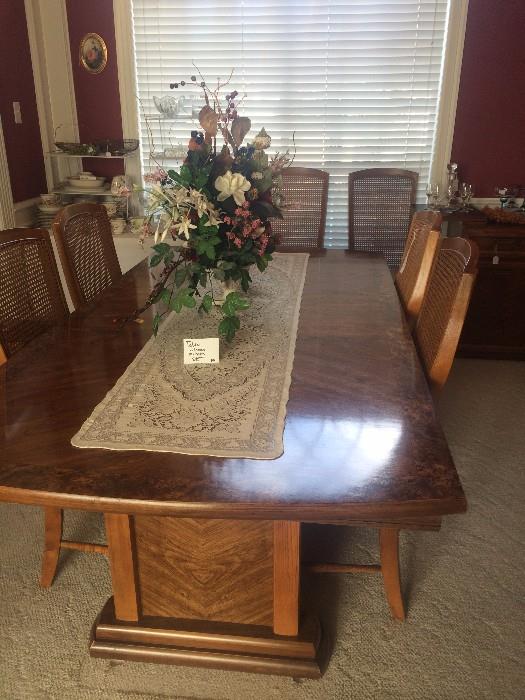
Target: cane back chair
x=412, y=277
x=304, y=196
x=437, y=333
x=32, y=302
x=31, y=296
x=444, y=307
x=381, y=202
x=86, y=249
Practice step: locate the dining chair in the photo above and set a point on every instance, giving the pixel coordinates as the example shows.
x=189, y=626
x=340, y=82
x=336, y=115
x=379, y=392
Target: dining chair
x=87, y=251
x=304, y=193
x=32, y=302
x=445, y=304
x=412, y=277
x=31, y=296
x=437, y=333
x=381, y=202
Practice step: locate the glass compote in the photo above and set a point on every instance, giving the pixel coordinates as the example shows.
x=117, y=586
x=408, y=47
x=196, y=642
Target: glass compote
x=466, y=192
x=432, y=196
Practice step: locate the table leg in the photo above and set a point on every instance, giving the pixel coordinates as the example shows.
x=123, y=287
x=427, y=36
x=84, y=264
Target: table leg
x=389, y=546
x=52, y=539
x=215, y=593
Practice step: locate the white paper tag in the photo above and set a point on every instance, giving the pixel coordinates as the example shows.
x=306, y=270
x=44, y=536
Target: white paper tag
x=201, y=351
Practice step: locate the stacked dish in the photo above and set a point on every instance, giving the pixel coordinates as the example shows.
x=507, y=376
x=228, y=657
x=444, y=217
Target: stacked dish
x=46, y=213
x=85, y=183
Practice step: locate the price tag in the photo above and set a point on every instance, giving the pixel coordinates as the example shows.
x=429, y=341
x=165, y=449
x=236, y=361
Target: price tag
x=201, y=351
x=495, y=260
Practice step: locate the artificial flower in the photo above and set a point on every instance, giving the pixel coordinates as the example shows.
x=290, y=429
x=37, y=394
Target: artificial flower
x=262, y=140
x=232, y=185
x=184, y=226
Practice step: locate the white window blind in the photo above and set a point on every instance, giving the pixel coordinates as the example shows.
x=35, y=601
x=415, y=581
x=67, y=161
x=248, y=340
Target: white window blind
x=354, y=83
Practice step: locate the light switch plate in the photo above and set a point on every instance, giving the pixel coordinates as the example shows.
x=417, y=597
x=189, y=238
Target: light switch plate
x=17, y=112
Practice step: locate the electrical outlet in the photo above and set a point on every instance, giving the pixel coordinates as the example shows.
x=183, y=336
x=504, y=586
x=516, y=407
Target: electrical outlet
x=17, y=112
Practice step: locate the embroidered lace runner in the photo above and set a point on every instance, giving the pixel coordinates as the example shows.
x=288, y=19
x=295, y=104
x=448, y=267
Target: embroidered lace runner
x=234, y=409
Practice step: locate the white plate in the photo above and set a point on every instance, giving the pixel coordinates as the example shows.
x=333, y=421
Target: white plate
x=90, y=186
x=49, y=209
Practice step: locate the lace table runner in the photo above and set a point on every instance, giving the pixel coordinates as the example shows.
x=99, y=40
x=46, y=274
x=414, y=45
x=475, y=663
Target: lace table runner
x=234, y=409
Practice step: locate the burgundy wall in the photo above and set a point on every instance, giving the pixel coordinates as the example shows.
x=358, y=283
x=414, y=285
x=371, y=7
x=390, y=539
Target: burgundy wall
x=22, y=141
x=97, y=96
x=489, y=134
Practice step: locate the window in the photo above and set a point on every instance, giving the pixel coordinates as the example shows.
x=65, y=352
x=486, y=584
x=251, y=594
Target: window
x=352, y=83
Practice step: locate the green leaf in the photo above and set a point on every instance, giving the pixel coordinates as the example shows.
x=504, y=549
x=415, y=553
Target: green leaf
x=180, y=275
x=156, y=321
x=168, y=257
x=228, y=327
x=207, y=303
x=261, y=263
x=245, y=280
x=161, y=248
x=189, y=300
x=203, y=279
x=234, y=302
x=176, y=304
x=185, y=177
x=165, y=296
x=184, y=297
x=155, y=260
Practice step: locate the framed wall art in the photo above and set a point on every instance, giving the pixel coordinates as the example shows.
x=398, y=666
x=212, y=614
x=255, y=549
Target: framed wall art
x=93, y=53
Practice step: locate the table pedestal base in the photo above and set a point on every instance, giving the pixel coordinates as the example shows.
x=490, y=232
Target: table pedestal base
x=234, y=647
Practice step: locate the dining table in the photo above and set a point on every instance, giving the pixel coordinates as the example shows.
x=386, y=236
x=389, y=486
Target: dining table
x=204, y=551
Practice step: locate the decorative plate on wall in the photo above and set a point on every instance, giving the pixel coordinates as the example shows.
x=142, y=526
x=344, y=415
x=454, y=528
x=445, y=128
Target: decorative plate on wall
x=93, y=53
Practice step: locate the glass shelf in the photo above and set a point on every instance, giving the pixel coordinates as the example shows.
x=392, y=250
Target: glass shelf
x=85, y=193
x=86, y=155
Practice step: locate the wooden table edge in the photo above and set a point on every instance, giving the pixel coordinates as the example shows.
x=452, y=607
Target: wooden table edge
x=319, y=512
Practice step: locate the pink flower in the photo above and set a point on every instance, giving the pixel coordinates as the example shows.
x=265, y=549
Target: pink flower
x=227, y=220
x=238, y=211
x=238, y=242
x=246, y=231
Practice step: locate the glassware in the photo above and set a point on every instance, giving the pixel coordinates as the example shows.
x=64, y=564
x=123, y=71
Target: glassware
x=465, y=192
x=452, y=186
x=503, y=194
x=432, y=195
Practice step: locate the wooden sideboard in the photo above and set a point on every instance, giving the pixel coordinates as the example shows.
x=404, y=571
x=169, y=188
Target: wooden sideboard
x=495, y=322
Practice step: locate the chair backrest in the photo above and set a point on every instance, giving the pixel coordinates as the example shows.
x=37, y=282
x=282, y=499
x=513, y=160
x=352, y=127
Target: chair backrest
x=87, y=252
x=444, y=307
x=31, y=296
x=412, y=278
x=381, y=202
x=304, y=197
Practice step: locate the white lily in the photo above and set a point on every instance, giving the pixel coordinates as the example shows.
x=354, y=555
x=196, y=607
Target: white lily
x=232, y=185
x=181, y=195
x=184, y=226
x=213, y=217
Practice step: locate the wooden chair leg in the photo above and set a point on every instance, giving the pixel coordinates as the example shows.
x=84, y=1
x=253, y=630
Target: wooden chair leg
x=52, y=538
x=389, y=546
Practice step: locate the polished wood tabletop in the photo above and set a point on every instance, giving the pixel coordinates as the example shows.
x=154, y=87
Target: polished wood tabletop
x=361, y=438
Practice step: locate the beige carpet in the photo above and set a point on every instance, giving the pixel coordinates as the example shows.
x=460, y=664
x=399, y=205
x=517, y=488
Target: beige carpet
x=465, y=633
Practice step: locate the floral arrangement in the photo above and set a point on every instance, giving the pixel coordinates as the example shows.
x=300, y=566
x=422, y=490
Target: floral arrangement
x=211, y=218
